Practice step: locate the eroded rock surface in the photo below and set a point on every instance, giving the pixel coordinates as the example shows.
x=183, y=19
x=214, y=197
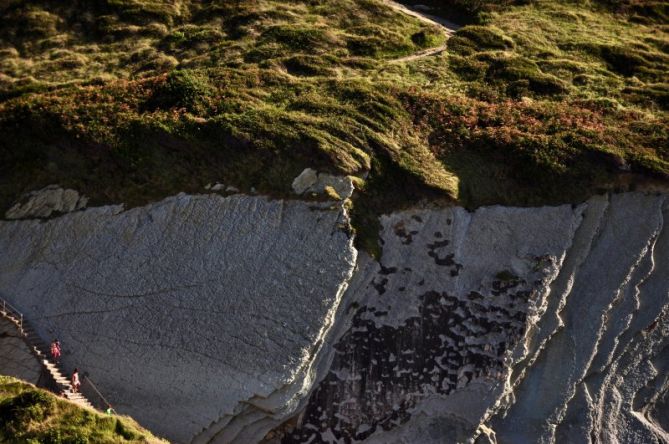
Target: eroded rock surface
x=197, y=313
x=445, y=308
x=505, y=325
x=219, y=320
x=310, y=181
x=15, y=357
x=50, y=200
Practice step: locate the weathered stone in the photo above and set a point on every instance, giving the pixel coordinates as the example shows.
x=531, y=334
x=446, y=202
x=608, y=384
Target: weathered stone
x=15, y=357
x=218, y=319
x=191, y=314
x=304, y=181
x=434, y=322
x=46, y=202
x=342, y=185
x=504, y=325
x=309, y=181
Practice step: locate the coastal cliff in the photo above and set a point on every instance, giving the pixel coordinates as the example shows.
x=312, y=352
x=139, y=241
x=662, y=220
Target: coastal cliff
x=244, y=319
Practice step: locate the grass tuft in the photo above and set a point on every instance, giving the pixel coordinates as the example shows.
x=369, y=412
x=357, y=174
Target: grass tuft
x=29, y=414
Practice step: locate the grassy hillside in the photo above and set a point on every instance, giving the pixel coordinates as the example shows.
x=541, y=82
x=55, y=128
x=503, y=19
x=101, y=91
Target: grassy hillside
x=534, y=102
x=32, y=415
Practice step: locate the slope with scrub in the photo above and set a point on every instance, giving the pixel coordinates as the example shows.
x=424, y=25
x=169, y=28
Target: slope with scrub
x=130, y=101
x=29, y=414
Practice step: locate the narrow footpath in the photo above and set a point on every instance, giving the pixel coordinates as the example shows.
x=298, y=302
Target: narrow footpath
x=446, y=26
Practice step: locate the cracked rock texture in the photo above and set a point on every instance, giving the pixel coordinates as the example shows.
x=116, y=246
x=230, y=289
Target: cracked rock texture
x=200, y=316
x=48, y=201
x=504, y=325
x=15, y=357
x=244, y=320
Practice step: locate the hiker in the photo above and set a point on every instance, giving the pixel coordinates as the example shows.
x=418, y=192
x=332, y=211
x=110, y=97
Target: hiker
x=55, y=350
x=76, y=383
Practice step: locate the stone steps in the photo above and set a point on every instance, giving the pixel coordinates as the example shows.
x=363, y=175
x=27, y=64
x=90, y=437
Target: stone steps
x=41, y=350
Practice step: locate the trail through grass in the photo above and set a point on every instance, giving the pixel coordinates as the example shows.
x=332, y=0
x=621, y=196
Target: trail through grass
x=533, y=102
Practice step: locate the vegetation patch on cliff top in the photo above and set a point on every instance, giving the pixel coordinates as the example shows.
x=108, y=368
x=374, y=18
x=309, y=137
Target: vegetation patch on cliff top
x=534, y=102
x=29, y=414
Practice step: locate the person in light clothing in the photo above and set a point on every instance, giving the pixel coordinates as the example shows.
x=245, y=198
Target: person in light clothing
x=76, y=382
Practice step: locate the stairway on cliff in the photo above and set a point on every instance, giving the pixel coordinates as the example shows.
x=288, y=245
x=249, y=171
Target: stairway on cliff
x=39, y=348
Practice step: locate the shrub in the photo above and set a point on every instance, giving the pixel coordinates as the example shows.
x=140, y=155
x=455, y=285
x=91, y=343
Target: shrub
x=37, y=23
x=424, y=38
x=304, y=65
x=18, y=412
x=373, y=40
x=191, y=36
x=623, y=60
x=478, y=38
x=122, y=430
x=468, y=68
x=657, y=94
x=294, y=37
x=181, y=89
x=376, y=46
x=523, y=73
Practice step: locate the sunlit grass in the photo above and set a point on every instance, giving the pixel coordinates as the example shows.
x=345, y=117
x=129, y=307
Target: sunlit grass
x=29, y=414
x=129, y=101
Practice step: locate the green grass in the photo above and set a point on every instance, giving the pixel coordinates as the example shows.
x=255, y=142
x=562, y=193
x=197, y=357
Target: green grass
x=32, y=415
x=553, y=101
x=132, y=100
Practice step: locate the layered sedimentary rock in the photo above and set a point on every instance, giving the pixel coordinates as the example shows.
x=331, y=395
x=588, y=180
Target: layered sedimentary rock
x=48, y=201
x=195, y=313
x=219, y=319
x=505, y=325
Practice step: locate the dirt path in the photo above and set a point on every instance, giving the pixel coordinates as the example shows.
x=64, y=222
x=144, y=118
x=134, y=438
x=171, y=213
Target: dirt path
x=447, y=27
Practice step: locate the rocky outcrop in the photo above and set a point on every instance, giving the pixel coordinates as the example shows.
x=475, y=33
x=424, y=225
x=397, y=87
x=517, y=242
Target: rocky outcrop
x=505, y=325
x=310, y=181
x=51, y=200
x=199, y=316
x=220, y=319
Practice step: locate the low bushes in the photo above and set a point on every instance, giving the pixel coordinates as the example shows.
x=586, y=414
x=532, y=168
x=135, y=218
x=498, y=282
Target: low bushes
x=471, y=39
x=181, y=89
x=32, y=415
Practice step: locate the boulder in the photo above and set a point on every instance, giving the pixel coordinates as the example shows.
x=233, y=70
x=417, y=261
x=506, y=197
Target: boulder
x=336, y=187
x=50, y=200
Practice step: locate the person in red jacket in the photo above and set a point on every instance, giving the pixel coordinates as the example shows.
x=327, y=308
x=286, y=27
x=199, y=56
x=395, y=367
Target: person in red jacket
x=55, y=350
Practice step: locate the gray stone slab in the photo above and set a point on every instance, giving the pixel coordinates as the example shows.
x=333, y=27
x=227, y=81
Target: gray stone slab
x=184, y=311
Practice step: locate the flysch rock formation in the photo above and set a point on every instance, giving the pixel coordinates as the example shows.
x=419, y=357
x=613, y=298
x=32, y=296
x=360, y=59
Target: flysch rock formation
x=508, y=325
x=200, y=316
x=240, y=319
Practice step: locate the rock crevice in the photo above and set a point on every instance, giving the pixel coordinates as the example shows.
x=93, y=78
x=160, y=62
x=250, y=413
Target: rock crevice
x=240, y=319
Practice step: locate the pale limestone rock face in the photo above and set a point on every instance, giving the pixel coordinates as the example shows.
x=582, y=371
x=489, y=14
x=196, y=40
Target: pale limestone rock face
x=46, y=202
x=198, y=312
x=504, y=325
x=215, y=319
x=15, y=357
x=597, y=374
x=436, y=325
